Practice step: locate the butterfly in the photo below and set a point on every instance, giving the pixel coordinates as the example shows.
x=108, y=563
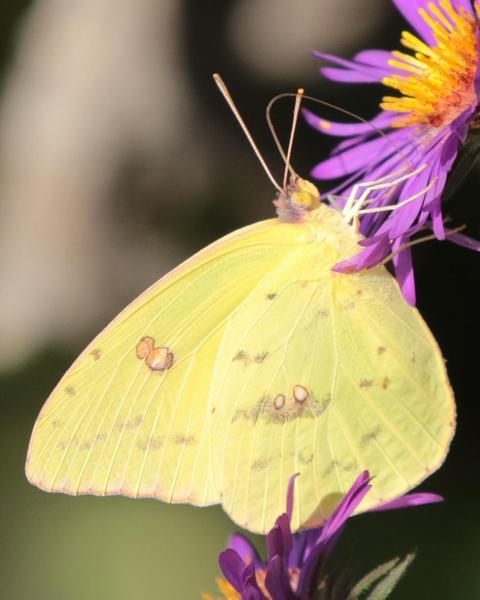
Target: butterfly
x=250, y=362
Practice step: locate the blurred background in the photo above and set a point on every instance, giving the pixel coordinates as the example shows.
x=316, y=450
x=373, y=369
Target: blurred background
x=118, y=159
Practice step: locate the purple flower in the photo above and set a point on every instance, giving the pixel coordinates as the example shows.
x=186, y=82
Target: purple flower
x=425, y=126
x=294, y=560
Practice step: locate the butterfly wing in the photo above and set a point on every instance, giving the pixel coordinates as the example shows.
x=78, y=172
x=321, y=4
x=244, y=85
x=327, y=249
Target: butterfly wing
x=130, y=416
x=248, y=363
x=331, y=374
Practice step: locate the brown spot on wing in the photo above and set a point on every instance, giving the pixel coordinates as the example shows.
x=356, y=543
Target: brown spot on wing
x=65, y=444
x=331, y=465
x=305, y=460
x=260, y=464
x=366, y=383
x=151, y=443
x=97, y=438
x=184, y=440
x=247, y=360
x=271, y=296
x=242, y=356
x=250, y=414
x=381, y=350
x=385, y=383
x=280, y=409
x=335, y=464
x=70, y=390
x=130, y=424
x=370, y=437
x=96, y=353
x=158, y=358
x=320, y=407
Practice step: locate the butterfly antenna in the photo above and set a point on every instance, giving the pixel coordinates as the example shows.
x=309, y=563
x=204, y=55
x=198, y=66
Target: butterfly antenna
x=226, y=94
x=296, y=112
x=273, y=131
x=338, y=109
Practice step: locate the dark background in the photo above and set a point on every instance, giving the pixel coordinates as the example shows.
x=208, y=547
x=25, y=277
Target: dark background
x=156, y=202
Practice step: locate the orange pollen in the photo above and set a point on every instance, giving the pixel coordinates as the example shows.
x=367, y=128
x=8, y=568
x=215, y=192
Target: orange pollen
x=438, y=83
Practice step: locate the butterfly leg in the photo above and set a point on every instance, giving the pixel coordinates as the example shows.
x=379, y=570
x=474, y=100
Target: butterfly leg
x=352, y=197
x=356, y=208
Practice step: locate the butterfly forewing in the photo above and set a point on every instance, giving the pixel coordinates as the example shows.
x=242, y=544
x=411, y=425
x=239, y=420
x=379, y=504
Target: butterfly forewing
x=130, y=416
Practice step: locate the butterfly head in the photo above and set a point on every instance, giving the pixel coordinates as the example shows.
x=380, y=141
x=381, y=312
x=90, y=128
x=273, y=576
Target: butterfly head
x=297, y=200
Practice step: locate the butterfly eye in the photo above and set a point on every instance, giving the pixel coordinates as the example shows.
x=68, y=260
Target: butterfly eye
x=305, y=195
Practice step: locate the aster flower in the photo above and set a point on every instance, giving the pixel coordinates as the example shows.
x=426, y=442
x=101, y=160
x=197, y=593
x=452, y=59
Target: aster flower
x=437, y=79
x=294, y=566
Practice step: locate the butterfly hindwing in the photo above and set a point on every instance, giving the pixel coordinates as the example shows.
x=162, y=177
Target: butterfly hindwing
x=325, y=374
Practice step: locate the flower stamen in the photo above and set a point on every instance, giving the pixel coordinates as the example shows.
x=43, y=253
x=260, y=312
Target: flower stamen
x=438, y=82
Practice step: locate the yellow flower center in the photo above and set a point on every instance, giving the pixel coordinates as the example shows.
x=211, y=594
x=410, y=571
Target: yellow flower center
x=228, y=591
x=439, y=81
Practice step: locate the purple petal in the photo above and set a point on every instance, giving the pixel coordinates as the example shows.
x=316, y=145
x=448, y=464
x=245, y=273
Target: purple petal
x=350, y=142
x=349, y=503
x=279, y=538
x=245, y=549
x=409, y=10
x=434, y=195
x=466, y=4
x=232, y=567
x=250, y=588
x=463, y=240
x=403, y=218
x=351, y=71
x=344, y=76
x=437, y=221
x=375, y=58
x=409, y=500
x=291, y=485
x=402, y=263
x=252, y=593
x=303, y=542
x=277, y=580
x=332, y=128
x=374, y=253
x=477, y=78
x=368, y=153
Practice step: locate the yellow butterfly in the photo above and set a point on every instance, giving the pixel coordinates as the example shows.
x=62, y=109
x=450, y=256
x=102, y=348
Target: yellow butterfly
x=249, y=362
